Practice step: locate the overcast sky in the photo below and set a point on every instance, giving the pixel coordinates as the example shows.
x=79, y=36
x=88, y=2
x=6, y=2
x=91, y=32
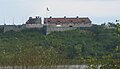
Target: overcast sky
x=99, y=11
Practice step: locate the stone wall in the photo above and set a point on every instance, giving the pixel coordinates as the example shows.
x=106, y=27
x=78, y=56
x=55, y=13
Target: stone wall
x=71, y=25
x=18, y=28
x=34, y=25
x=14, y=28
x=49, y=29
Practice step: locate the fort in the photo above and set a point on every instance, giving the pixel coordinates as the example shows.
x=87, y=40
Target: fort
x=51, y=24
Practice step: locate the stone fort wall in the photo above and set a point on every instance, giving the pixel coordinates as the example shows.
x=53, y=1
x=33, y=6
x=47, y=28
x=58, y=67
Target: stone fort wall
x=34, y=26
x=49, y=29
x=18, y=28
x=13, y=28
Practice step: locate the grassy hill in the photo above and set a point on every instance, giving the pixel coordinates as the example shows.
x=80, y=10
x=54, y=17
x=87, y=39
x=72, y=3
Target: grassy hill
x=31, y=47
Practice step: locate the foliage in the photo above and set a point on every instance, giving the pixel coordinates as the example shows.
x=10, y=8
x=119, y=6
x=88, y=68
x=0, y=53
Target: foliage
x=87, y=46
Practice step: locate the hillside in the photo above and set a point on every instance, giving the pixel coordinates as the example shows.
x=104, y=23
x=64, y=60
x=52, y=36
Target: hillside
x=31, y=47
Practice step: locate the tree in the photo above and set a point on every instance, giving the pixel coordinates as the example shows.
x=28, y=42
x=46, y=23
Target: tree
x=118, y=29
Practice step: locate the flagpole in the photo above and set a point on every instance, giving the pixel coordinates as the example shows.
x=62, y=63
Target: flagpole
x=13, y=21
x=46, y=17
x=47, y=10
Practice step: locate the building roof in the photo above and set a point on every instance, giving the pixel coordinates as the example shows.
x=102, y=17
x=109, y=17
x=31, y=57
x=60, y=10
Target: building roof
x=36, y=20
x=67, y=20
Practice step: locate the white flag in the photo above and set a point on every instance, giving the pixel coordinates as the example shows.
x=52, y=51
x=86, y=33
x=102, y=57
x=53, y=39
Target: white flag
x=48, y=9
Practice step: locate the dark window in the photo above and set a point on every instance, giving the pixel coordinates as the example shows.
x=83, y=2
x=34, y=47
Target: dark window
x=48, y=21
x=58, y=21
x=83, y=20
x=70, y=26
x=71, y=21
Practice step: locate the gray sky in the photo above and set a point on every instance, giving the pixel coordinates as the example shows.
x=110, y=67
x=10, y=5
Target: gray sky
x=99, y=11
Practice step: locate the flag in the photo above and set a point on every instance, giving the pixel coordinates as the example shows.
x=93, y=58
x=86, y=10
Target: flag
x=48, y=9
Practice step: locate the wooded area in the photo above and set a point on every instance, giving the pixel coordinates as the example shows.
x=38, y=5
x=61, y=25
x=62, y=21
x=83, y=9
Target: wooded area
x=96, y=45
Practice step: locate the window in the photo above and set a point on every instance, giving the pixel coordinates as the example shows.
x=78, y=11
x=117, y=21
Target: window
x=70, y=26
x=58, y=21
x=83, y=20
x=71, y=21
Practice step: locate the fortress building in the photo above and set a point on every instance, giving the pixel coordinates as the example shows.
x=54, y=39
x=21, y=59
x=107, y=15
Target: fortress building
x=51, y=24
x=34, y=22
x=68, y=22
x=62, y=24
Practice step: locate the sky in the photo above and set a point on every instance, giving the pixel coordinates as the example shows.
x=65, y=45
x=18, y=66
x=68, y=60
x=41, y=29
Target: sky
x=99, y=11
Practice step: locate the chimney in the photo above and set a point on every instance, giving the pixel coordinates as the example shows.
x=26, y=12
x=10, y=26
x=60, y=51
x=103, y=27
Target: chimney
x=50, y=16
x=64, y=16
x=77, y=17
x=30, y=18
x=37, y=17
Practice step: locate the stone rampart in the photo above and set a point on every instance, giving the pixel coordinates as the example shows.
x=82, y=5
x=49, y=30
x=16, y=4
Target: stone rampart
x=34, y=25
x=49, y=29
x=14, y=28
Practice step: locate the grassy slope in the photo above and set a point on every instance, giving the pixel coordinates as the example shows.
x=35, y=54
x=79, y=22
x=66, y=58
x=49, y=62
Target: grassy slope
x=74, y=45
